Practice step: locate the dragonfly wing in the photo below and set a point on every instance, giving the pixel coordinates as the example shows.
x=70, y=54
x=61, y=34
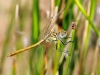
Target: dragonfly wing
x=45, y=30
x=48, y=28
x=54, y=20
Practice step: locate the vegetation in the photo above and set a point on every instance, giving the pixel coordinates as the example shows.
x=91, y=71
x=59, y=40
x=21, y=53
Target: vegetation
x=26, y=22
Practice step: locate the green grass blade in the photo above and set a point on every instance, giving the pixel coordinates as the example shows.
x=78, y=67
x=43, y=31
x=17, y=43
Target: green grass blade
x=99, y=65
x=57, y=55
x=14, y=68
x=87, y=17
x=34, y=33
x=69, y=56
x=67, y=21
x=6, y=43
x=91, y=17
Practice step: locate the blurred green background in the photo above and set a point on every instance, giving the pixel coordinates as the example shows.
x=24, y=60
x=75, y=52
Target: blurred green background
x=21, y=23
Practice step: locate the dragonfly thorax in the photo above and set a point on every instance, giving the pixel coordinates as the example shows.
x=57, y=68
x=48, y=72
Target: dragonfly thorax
x=51, y=37
x=55, y=36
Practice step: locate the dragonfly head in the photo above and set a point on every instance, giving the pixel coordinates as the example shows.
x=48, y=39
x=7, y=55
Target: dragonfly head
x=62, y=34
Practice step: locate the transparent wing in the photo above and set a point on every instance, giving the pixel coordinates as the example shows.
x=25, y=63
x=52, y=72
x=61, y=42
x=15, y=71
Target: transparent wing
x=43, y=32
x=48, y=28
x=53, y=21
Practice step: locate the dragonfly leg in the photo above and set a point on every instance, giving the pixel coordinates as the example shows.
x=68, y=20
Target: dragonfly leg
x=62, y=50
x=65, y=43
x=67, y=37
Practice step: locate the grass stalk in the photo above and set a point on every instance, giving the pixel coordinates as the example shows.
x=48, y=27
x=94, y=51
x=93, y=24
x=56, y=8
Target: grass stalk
x=7, y=40
x=35, y=31
x=67, y=20
x=99, y=63
x=57, y=55
x=87, y=17
x=69, y=56
x=14, y=68
x=91, y=17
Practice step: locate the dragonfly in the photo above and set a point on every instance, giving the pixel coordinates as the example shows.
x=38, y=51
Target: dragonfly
x=48, y=36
